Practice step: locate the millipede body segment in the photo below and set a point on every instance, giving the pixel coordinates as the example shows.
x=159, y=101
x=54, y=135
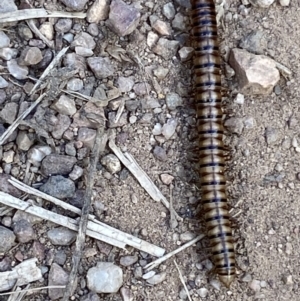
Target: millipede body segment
x=207, y=71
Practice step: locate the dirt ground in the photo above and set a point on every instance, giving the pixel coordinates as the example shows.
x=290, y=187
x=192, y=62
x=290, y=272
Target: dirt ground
x=264, y=180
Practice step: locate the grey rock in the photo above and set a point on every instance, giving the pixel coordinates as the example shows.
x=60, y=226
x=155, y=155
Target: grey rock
x=173, y=100
x=98, y=11
x=179, y=22
x=76, y=173
x=61, y=236
x=2, y=99
x=158, y=278
x=112, y=163
x=105, y=278
x=123, y=18
x=93, y=29
x=87, y=136
x=166, y=48
x=8, y=53
x=57, y=276
x=187, y=236
x=7, y=6
x=90, y=297
x=46, y=60
x=30, y=56
x=4, y=40
x=186, y=53
x=169, y=128
x=162, y=27
x=160, y=72
x=74, y=61
x=126, y=294
x=184, y=3
x=132, y=105
x=3, y=83
x=101, y=67
x=37, y=153
x=61, y=126
x=23, y=231
x=152, y=38
x=150, y=103
x=235, y=125
x=57, y=164
x=7, y=239
x=254, y=42
x=203, y=292
x=65, y=105
x=24, y=140
x=38, y=250
x=47, y=30
x=128, y=260
x=63, y=25
x=78, y=199
x=169, y=10
x=85, y=40
x=142, y=88
x=37, y=43
x=256, y=74
x=60, y=257
x=272, y=135
x=59, y=187
x=75, y=4
x=75, y=84
x=111, y=120
x=70, y=149
x=149, y=275
x=19, y=72
x=82, y=51
x=21, y=215
x=125, y=84
x=5, y=264
x=160, y=154
x=9, y=113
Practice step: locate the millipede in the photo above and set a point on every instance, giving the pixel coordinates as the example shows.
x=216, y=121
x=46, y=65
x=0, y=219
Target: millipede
x=208, y=98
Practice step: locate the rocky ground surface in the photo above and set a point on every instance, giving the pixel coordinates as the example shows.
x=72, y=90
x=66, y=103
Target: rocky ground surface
x=132, y=62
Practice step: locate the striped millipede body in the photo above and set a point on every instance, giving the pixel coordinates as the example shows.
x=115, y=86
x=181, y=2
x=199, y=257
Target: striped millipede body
x=207, y=72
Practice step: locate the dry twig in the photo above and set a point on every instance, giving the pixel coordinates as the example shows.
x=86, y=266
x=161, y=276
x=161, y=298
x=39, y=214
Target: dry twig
x=99, y=146
x=15, y=124
x=140, y=175
x=26, y=14
x=32, y=26
x=182, y=280
x=54, y=62
x=150, y=266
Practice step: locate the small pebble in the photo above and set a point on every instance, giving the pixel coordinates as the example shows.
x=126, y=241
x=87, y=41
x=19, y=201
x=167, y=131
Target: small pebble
x=149, y=275
x=203, y=292
x=158, y=278
x=255, y=285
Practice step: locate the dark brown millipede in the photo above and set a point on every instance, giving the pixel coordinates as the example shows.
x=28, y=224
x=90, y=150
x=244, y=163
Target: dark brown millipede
x=207, y=72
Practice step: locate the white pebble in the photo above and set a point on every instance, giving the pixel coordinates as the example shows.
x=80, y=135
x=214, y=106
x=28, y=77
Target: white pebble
x=240, y=99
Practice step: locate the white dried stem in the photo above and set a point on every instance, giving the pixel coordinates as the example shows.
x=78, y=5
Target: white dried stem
x=37, y=13
x=96, y=229
x=15, y=124
x=140, y=175
x=150, y=266
x=49, y=68
x=182, y=280
x=22, y=274
x=32, y=26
